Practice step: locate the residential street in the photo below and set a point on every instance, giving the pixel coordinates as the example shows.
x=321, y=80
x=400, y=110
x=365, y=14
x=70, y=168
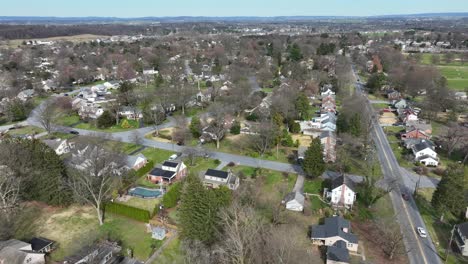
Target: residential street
x=420, y=250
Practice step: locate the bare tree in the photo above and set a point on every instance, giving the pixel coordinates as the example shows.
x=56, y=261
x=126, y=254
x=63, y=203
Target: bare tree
x=264, y=138
x=47, y=113
x=9, y=190
x=96, y=175
x=217, y=122
x=391, y=240
x=157, y=116
x=454, y=136
x=181, y=133
x=191, y=154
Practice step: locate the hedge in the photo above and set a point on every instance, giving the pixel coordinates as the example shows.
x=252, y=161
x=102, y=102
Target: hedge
x=144, y=170
x=128, y=211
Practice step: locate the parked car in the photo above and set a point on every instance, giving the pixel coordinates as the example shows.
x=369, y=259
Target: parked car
x=421, y=232
x=405, y=196
x=400, y=124
x=173, y=157
x=74, y=132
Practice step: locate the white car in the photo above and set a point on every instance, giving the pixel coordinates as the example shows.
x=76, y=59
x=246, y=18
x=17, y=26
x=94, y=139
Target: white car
x=421, y=232
x=173, y=157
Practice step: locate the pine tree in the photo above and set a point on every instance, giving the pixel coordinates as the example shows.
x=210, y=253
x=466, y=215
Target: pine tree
x=313, y=164
x=302, y=106
x=105, y=120
x=450, y=193
x=195, y=127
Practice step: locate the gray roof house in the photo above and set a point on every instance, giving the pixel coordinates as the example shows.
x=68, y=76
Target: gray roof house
x=294, y=201
x=103, y=253
x=335, y=229
x=461, y=238
x=338, y=253
x=18, y=252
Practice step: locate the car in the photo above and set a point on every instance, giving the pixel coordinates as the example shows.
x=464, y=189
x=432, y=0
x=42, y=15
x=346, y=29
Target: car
x=421, y=232
x=65, y=94
x=405, y=196
x=173, y=157
x=74, y=132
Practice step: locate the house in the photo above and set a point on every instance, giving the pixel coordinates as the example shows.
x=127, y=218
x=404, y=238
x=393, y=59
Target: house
x=136, y=162
x=460, y=96
x=327, y=92
x=294, y=201
x=90, y=110
x=328, y=126
x=334, y=229
x=25, y=95
x=18, y=252
x=419, y=125
x=131, y=113
x=59, y=146
x=425, y=154
x=410, y=142
x=328, y=140
x=461, y=238
x=342, y=192
x=215, y=178
x=102, y=253
x=112, y=85
x=169, y=172
x=400, y=104
x=41, y=245
x=393, y=95
x=158, y=233
x=414, y=133
x=337, y=253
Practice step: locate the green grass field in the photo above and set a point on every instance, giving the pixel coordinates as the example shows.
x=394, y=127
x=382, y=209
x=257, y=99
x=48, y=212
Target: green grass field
x=172, y=253
x=157, y=155
x=116, y=128
x=426, y=58
x=26, y=130
x=68, y=120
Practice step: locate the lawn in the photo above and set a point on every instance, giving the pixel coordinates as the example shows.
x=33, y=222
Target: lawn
x=379, y=106
x=157, y=155
x=236, y=145
x=267, y=90
x=427, y=59
x=146, y=204
x=126, y=148
x=26, y=130
x=313, y=186
x=439, y=231
x=60, y=135
x=200, y=165
x=76, y=226
x=172, y=253
x=68, y=120
x=133, y=124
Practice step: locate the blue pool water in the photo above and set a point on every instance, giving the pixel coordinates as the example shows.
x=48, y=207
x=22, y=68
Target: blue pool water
x=145, y=192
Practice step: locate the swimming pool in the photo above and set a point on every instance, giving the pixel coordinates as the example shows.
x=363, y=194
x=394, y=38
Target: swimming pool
x=144, y=192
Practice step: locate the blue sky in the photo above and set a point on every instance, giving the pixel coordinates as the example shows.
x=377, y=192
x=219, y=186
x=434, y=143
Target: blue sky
x=140, y=8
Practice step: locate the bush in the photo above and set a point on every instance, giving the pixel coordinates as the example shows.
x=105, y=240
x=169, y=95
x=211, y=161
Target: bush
x=128, y=211
x=217, y=162
x=125, y=124
x=235, y=129
x=144, y=170
x=106, y=120
x=252, y=117
x=231, y=164
x=171, y=198
x=295, y=127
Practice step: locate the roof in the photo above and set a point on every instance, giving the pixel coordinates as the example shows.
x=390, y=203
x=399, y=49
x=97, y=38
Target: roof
x=13, y=243
x=217, y=173
x=343, y=179
x=338, y=252
x=103, y=249
x=39, y=243
x=52, y=143
x=463, y=228
x=422, y=145
x=170, y=164
x=297, y=196
x=132, y=159
x=12, y=256
x=334, y=226
x=163, y=173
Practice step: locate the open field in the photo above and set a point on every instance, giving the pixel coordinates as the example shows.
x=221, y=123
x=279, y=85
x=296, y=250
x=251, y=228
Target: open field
x=146, y=204
x=75, y=39
x=26, y=130
x=115, y=128
x=426, y=58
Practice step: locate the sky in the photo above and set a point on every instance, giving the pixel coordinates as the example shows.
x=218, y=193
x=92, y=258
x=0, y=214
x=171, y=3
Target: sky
x=160, y=8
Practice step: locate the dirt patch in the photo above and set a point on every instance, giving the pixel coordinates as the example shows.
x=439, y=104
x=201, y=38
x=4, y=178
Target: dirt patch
x=163, y=132
x=388, y=118
x=303, y=139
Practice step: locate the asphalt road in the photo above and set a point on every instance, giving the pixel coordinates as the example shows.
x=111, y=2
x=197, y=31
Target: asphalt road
x=420, y=250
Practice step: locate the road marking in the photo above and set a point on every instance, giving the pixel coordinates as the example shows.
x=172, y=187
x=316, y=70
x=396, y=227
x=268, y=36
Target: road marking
x=418, y=241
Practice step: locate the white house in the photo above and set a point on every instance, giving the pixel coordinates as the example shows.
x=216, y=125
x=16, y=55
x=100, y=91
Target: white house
x=460, y=96
x=327, y=92
x=18, y=252
x=294, y=201
x=25, y=95
x=342, y=192
x=425, y=154
x=131, y=113
x=136, y=162
x=215, y=178
x=59, y=146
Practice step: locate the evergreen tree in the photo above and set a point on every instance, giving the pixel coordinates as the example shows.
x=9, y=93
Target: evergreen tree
x=235, y=128
x=450, y=193
x=295, y=52
x=313, y=164
x=302, y=106
x=355, y=125
x=195, y=127
x=105, y=120
x=342, y=125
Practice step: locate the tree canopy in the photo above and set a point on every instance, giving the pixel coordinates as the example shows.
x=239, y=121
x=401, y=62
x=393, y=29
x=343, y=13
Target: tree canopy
x=313, y=164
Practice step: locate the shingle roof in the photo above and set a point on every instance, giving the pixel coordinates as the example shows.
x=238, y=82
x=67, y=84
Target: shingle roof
x=338, y=252
x=131, y=159
x=217, y=173
x=463, y=228
x=334, y=226
x=13, y=243
x=39, y=243
x=170, y=164
x=423, y=145
x=337, y=182
x=163, y=173
x=294, y=196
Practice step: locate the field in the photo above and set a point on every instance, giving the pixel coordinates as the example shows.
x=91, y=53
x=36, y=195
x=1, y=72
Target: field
x=77, y=226
x=115, y=128
x=26, y=130
x=456, y=72
x=75, y=39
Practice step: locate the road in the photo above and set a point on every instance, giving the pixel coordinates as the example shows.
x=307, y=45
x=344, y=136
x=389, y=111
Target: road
x=420, y=250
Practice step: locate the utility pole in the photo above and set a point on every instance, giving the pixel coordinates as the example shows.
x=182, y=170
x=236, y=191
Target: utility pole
x=449, y=244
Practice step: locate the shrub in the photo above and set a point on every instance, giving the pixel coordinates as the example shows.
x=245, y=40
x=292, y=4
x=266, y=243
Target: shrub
x=217, y=162
x=252, y=117
x=171, y=198
x=235, y=129
x=144, y=170
x=295, y=127
x=106, y=120
x=125, y=124
x=231, y=164
x=128, y=211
